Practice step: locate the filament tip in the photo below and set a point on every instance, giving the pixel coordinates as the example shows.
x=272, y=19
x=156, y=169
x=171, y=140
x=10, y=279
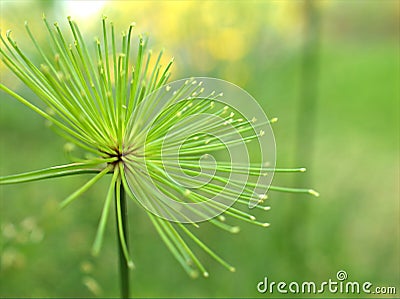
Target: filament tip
x=193, y=274
x=235, y=229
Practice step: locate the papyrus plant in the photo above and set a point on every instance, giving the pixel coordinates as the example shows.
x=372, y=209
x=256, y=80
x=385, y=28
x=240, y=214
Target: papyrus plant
x=166, y=147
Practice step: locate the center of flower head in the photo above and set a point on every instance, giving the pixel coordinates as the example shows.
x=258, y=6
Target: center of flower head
x=119, y=155
x=116, y=153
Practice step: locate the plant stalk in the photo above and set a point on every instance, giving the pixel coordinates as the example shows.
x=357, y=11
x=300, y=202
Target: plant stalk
x=123, y=264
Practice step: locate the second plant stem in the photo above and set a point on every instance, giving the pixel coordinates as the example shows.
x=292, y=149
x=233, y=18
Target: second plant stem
x=123, y=265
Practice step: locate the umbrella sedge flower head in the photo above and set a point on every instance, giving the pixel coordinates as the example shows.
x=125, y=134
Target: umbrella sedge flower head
x=180, y=150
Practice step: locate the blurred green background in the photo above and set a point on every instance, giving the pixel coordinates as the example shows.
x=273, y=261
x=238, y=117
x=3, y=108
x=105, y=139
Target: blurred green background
x=330, y=70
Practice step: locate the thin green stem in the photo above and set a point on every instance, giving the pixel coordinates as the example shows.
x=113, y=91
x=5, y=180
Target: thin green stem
x=121, y=218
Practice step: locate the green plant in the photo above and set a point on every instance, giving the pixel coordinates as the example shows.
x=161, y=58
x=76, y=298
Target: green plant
x=146, y=135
